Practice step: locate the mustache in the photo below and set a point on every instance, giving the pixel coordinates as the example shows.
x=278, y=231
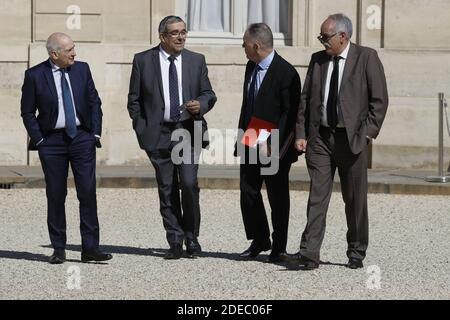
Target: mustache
x=327, y=45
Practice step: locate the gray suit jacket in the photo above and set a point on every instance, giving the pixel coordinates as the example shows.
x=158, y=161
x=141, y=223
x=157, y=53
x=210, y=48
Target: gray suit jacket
x=146, y=94
x=363, y=97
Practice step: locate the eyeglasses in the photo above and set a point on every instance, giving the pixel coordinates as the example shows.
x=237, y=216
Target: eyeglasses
x=176, y=34
x=323, y=38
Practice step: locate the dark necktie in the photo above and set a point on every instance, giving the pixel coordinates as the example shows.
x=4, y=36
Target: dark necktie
x=173, y=90
x=332, y=114
x=251, y=96
x=69, y=111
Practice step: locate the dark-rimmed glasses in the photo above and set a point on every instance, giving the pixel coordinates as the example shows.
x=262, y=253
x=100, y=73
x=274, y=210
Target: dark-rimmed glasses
x=176, y=34
x=323, y=38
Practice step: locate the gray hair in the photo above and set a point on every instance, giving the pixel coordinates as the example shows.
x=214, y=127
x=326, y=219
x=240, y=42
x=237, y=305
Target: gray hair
x=262, y=33
x=167, y=21
x=343, y=24
x=53, y=44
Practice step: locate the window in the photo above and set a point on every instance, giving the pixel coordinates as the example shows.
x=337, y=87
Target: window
x=225, y=21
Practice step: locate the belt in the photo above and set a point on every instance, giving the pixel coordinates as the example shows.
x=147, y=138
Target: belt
x=174, y=125
x=64, y=129
x=338, y=130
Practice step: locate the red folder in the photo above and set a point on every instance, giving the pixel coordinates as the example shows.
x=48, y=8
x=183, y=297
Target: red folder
x=254, y=130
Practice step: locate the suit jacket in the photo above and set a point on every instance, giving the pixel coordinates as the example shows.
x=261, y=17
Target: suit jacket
x=363, y=96
x=39, y=94
x=277, y=101
x=146, y=96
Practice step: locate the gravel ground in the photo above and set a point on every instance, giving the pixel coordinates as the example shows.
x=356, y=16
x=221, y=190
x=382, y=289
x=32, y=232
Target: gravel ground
x=409, y=246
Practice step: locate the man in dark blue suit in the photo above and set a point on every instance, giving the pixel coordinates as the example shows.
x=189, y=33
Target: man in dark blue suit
x=66, y=130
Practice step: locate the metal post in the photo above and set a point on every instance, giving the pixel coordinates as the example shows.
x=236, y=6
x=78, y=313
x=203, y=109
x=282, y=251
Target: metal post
x=441, y=178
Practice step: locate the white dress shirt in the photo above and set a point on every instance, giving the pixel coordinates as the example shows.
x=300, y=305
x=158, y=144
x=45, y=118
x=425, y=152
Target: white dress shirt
x=264, y=65
x=165, y=65
x=61, y=122
x=342, y=62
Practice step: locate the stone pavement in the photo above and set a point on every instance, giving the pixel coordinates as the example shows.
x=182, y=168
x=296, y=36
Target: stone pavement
x=407, y=258
x=227, y=177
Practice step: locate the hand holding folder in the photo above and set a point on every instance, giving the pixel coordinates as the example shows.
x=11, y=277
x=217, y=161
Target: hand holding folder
x=258, y=131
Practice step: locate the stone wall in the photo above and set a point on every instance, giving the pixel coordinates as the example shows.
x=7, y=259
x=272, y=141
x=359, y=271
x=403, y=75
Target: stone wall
x=412, y=38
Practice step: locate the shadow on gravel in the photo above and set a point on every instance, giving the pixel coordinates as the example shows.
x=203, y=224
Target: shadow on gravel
x=160, y=253
x=153, y=252
x=18, y=255
x=110, y=249
x=333, y=264
x=298, y=267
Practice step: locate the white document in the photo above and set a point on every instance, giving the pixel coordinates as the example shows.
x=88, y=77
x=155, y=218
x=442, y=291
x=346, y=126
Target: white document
x=263, y=136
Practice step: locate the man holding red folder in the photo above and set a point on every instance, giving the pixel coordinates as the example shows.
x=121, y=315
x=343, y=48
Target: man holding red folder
x=270, y=102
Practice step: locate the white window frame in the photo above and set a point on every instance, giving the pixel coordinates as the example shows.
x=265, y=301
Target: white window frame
x=237, y=26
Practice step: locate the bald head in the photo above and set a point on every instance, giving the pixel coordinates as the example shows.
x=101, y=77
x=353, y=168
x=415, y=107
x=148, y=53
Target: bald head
x=258, y=42
x=61, y=49
x=55, y=41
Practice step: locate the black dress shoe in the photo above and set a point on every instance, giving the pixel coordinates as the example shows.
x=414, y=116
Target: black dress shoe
x=354, y=263
x=297, y=258
x=309, y=265
x=175, y=252
x=193, y=248
x=255, y=249
x=276, y=257
x=291, y=258
x=58, y=256
x=94, y=255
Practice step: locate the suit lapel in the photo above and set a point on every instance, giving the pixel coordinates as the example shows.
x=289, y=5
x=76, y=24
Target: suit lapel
x=48, y=73
x=324, y=71
x=268, y=78
x=157, y=66
x=248, y=75
x=185, y=75
x=349, y=65
x=248, y=71
x=74, y=81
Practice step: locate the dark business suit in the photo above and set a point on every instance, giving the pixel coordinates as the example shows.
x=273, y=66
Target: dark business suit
x=277, y=102
x=57, y=150
x=363, y=101
x=146, y=108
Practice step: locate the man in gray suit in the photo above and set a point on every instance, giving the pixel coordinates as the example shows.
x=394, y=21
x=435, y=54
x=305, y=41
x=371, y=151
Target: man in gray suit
x=170, y=90
x=343, y=105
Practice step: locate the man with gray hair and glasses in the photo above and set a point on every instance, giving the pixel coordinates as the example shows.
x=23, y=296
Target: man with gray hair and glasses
x=169, y=92
x=343, y=105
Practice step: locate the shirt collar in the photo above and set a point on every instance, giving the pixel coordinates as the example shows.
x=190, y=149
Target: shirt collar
x=344, y=53
x=265, y=64
x=166, y=56
x=53, y=65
